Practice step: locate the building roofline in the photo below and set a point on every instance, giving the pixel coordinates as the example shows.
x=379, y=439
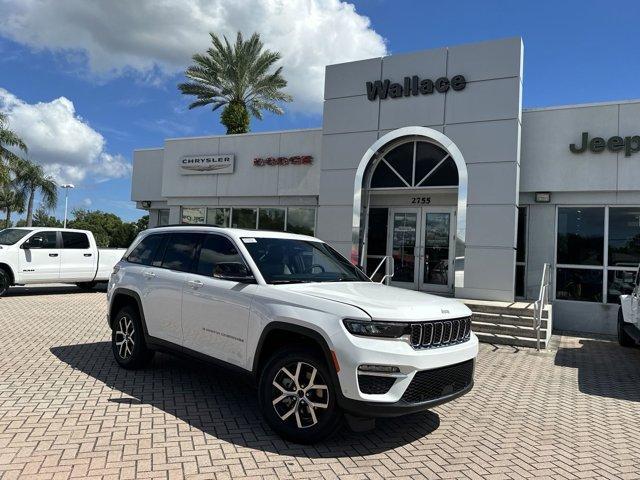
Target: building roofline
x=149, y=149
x=581, y=105
x=276, y=132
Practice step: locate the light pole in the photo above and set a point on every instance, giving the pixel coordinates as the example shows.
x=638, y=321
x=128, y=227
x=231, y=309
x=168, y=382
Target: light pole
x=66, y=187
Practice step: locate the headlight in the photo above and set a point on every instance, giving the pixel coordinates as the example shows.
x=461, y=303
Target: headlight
x=377, y=329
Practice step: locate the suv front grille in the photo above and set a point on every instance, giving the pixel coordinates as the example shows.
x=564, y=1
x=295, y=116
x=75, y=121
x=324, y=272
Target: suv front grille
x=439, y=382
x=440, y=333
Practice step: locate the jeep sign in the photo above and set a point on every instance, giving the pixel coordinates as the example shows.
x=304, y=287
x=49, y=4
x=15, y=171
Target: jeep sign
x=630, y=144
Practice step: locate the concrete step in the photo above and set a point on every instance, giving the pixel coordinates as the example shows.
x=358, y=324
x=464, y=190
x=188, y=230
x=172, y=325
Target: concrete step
x=506, y=329
x=523, y=309
x=506, y=319
x=500, y=339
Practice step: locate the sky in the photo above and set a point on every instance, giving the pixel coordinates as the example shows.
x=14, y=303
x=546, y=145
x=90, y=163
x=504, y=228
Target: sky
x=85, y=82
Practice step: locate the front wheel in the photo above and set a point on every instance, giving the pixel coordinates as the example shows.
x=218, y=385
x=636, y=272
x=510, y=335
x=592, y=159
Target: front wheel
x=623, y=337
x=127, y=340
x=4, y=282
x=297, y=397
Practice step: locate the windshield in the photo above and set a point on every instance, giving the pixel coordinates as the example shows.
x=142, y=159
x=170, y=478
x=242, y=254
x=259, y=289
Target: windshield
x=285, y=260
x=9, y=236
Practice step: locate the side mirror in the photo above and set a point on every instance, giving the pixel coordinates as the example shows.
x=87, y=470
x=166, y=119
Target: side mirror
x=234, y=272
x=34, y=242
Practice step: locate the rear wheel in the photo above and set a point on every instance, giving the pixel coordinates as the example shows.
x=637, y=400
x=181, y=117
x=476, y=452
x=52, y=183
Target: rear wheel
x=86, y=285
x=5, y=282
x=623, y=337
x=298, y=398
x=127, y=340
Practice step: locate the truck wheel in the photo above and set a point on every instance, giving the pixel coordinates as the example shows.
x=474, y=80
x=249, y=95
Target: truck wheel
x=4, y=282
x=87, y=286
x=298, y=398
x=127, y=340
x=623, y=338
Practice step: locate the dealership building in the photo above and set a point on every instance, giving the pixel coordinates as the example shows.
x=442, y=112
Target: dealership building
x=430, y=158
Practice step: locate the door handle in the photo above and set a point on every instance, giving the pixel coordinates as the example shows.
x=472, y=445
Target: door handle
x=53, y=254
x=149, y=274
x=87, y=254
x=195, y=283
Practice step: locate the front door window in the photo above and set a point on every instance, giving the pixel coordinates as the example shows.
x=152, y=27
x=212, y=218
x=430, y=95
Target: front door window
x=405, y=230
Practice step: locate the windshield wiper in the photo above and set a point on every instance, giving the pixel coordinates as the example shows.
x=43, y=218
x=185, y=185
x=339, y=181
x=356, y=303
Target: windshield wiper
x=281, y=282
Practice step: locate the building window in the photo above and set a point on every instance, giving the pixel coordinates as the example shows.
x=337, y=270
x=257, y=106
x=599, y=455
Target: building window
x=598, y=251
x=193, y=215
x=521, y=253
x=244, y=218
x=415, y=164
x=219, y=217
x=272, y=219
x=301, y=220
x=163, y=217
x=377, y=240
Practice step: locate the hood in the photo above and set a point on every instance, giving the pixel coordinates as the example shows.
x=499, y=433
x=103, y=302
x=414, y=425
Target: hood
x=382, y=302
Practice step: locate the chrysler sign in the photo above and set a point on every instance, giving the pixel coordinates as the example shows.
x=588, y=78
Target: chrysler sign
x=206, y=164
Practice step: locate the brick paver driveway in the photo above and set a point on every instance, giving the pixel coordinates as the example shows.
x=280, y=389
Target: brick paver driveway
x=67, y=410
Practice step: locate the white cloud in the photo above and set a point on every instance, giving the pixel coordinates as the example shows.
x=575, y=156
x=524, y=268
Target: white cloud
x=63, y=142
x=154, y=38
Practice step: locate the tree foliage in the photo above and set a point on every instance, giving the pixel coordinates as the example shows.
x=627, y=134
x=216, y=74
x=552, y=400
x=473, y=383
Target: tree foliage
x=108, y=229
x=238, y=77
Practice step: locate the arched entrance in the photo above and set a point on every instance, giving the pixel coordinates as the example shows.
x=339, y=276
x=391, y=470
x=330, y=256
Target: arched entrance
x=410, y=198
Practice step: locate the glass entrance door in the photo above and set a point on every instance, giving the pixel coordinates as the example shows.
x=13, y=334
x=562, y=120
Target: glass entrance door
x=421, y=243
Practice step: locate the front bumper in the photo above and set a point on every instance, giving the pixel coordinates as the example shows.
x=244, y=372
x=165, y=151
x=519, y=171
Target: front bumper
x=399, y=398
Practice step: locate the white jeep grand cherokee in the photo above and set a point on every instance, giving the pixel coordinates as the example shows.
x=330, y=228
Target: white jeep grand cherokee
x=317, y=335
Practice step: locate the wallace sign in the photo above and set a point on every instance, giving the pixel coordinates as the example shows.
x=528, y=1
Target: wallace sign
x=413, y=86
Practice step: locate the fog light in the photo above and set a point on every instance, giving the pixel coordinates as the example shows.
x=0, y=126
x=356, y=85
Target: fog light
x=378, y=368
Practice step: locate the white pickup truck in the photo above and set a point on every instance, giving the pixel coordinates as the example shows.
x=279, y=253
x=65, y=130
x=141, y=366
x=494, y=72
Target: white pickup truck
x=53, y=255
x=629, y=314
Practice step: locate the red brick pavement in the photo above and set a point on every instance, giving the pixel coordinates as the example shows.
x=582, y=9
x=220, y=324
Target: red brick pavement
x=67, y=411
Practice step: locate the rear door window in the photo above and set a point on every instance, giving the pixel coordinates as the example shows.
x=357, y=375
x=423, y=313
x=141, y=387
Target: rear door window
x=146, y=250
x=180, y=251
x=75, y=240
x=217, y=252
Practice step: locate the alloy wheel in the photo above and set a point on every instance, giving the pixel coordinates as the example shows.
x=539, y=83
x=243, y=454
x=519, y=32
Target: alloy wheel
x=300, y=393
x=125, y=340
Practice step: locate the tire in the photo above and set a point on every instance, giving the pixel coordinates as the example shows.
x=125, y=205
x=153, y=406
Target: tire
x=127, y=328
x=5, y=282
x=299, y=416
x=623, y=338
x=87, y=286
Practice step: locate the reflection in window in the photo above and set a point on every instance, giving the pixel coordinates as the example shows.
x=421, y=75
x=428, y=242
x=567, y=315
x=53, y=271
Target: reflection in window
x=619, y=282
x=244, y=218
x=579, y=284
x=580, y=235
x=193, y=215
x=301, y=220
x=624, y=236
x=218, y=217
x=271, y=219
x=163, y=217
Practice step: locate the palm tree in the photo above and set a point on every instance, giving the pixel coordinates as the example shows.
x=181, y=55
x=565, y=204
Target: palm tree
x=239, y=78
x=12, y=199
x=8, y=138
x=31, y=178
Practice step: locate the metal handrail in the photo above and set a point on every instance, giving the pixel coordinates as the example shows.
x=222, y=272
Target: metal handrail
x=390, y=263
x=540, y=304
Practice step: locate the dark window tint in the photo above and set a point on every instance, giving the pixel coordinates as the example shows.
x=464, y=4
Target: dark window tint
x=428, y=156
x=580, y=235
x=579, y=284
x=444, y=176
x=49, y=240
x=619, y=282
x=383, y=177
x=271, y=219
x=520, y=271
x=145, y=250
x=75, y=240
x=216, y=253
x=401, y=160
x=180, y=251
x=522, y=234
x=624, y=236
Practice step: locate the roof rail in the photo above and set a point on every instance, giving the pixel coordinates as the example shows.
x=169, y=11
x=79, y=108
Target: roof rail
x=188, y=225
